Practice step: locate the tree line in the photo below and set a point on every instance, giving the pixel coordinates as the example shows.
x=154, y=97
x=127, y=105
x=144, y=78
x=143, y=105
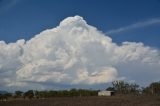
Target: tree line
x=120, y=87
x=62, y=93
x=50, y=93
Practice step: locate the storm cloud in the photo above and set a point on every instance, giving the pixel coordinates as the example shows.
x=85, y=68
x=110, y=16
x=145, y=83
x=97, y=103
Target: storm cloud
x=75, y=53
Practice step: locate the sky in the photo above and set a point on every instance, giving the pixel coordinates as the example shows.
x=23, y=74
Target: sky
x=86, y=43
x=22, y=19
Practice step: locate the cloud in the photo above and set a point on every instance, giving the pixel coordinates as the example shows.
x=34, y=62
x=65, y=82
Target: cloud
x=7, y=4
x=75, y=53
x=135, y=26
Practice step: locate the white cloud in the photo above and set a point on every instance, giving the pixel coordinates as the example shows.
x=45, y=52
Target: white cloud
x=99, y=76
x=135, y=26
x=75, y=53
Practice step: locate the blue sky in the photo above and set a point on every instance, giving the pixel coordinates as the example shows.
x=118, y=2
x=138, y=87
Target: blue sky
x=73, y=53
x=22, y=19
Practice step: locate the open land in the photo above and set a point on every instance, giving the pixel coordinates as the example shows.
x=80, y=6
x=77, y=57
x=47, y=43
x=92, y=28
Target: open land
x=120, y=100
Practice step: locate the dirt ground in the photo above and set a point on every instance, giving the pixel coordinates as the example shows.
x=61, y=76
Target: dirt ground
x=88, y=101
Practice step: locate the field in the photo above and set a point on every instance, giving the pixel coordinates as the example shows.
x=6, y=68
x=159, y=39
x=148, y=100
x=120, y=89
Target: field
x=87, y=101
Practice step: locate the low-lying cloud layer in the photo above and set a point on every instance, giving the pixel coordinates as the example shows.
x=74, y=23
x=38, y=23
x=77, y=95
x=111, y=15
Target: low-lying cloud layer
x=75, y=53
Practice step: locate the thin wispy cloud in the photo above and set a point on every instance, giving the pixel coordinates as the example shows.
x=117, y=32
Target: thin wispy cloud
x=135, y=26
x=7, y=5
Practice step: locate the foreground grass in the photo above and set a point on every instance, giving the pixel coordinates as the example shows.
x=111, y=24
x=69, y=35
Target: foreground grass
x=120, y=100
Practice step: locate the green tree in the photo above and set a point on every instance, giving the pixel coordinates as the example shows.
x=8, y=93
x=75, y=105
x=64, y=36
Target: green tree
x=5, y=96
x=110, y=89
x=18, y=93
x=125, y=87
x=29, y=94
x=155, y=88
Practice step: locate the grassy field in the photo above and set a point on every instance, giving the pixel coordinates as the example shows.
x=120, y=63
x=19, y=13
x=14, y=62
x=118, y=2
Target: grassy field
x=87, y=101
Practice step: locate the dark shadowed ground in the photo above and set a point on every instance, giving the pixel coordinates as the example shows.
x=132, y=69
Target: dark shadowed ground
x=88, y=101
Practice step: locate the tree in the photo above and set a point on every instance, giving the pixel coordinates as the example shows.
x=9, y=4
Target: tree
x=18, y=93
x=110, y=89
x=155, y=88
x=29, y=94
x=5, y=96
x=125, y=87
x=119, y=86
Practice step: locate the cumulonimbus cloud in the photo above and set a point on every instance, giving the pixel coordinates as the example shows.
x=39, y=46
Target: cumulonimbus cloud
x=75, y=53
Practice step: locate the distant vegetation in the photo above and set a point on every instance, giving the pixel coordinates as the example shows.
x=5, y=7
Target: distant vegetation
x=120, y=87
x=49, y=94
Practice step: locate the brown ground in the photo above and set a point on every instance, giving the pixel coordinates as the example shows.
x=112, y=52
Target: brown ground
x=88, y=101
